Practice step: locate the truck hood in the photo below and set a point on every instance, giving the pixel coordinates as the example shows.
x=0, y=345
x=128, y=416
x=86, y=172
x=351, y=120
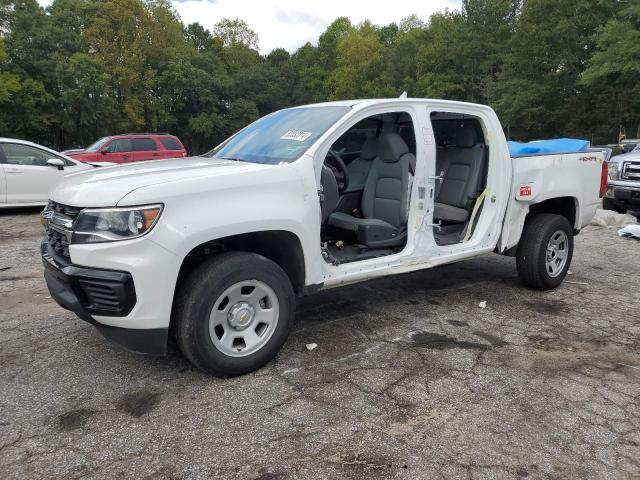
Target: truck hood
x=106, y=186
x=632, y=156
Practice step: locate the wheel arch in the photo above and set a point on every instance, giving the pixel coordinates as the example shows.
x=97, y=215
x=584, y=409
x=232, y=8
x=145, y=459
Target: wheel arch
x=566, y=207
x=280, y=246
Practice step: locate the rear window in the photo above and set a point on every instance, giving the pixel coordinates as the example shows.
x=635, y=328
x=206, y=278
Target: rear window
x=143, y=144
x=170, y=143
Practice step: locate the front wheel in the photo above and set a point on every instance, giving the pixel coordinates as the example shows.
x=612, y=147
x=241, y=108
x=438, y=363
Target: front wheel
x=233, y=313
x=545, y=251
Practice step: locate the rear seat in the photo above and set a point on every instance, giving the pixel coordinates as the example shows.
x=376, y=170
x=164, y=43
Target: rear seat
x=462, y=166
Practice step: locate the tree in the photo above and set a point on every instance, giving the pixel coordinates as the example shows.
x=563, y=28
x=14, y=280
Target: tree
x=537, y=93
x=27, y=110
x=358, y=65
x=27, y=40
x=84, y=68
x=442, y=69
x=199, y=37
x=235, y=32
x=9, y=83
x=328, y=42
x=87, y=109
x=388, y=34
x=412, y=22
x=613, y=74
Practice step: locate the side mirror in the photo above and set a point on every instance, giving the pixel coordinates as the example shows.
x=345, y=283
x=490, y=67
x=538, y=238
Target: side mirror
x=56, y=162
x=104, y=152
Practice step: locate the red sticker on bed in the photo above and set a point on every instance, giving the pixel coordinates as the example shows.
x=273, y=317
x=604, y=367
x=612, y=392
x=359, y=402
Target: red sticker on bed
x=525, y=190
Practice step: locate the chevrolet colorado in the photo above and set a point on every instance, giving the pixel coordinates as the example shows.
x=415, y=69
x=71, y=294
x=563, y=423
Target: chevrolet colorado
x=214, y=249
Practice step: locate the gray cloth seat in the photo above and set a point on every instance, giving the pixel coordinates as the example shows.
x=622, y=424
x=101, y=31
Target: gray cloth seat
x=462, y=167
x=358, y=169
x=345, y=221
x=385, y=197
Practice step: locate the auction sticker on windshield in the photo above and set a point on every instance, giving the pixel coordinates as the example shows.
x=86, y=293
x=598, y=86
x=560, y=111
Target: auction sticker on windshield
x=297, y=135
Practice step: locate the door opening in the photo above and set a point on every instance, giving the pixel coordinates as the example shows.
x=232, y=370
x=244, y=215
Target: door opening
x=366, y=180
x=462, y=160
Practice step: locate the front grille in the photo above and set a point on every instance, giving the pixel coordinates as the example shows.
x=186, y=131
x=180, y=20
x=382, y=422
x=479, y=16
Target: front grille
x=631, y=171
x=58, y=241
x=56, y=238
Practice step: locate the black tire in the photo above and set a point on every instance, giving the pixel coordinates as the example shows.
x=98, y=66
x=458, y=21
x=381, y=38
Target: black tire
x=532, y=250
x=609, y=204
x=196, y=299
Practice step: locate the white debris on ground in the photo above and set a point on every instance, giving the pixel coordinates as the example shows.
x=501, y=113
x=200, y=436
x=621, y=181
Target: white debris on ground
x=609, y=218
x=483, y=304
x=311, y=346
x=630, y=231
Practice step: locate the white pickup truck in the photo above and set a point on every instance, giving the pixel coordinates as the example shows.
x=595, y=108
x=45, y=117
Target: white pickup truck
x=214, y=249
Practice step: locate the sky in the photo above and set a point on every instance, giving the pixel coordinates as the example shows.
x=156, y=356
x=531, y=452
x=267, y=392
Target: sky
x=292, y=23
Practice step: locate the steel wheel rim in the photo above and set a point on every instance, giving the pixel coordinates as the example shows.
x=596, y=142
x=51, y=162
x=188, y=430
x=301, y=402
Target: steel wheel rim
x=557, y=253
x=244, y=318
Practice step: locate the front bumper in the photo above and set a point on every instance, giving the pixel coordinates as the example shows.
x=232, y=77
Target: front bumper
x=627, y=197
x=90, y=292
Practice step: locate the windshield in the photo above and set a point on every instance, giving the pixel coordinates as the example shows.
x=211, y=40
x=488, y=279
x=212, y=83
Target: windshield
x=280, y=137
x=94, y=147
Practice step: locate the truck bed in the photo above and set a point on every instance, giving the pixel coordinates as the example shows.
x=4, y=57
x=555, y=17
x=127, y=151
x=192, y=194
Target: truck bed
x=538, y=177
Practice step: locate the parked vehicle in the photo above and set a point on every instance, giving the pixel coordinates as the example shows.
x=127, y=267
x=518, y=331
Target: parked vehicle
x=215, y=248
x=623, y=188
x=131, y=147
x=28, y=171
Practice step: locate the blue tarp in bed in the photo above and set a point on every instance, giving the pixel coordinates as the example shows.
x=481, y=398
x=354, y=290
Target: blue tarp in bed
x=558, y=145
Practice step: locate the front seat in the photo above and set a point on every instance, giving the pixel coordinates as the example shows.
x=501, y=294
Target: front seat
x=358, y=169
x=385, y=197
x=462, y=166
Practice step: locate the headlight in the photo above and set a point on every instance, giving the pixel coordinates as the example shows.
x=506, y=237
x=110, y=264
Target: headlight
x=614, y=173
x=95, y=225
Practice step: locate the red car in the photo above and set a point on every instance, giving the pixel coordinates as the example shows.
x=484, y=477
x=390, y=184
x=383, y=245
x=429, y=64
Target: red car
x=131, y=147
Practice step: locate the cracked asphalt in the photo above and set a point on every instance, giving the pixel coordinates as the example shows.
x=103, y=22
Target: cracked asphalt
x=411, y=379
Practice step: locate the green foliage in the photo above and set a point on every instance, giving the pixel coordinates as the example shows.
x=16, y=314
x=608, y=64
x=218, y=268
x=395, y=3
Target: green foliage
x=358, y=65
x=9, y=86
x=538, y=90
x=613, y=71
x=235, y=32
x=81, y=69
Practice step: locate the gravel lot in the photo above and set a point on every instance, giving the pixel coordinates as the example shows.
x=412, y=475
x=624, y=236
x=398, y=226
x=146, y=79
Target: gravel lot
x=410, y=379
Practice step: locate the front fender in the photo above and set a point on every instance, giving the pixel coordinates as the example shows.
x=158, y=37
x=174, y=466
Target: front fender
x=279, y=198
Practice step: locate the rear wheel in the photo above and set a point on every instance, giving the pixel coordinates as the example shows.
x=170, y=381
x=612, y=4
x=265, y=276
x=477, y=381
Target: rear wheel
x=545, y=251
x=234, y=313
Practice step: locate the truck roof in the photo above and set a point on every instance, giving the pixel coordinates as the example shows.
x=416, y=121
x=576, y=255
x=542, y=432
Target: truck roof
x=377, y=101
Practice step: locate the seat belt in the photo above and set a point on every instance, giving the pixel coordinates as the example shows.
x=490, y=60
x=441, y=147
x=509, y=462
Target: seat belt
x=474, y=212
x=412, y=172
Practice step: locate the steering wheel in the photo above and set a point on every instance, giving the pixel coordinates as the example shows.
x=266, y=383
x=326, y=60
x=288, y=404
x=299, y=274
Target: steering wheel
x=339, y=169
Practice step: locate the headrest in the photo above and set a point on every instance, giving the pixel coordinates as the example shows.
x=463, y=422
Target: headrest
x=465, y=136
x=369, y=148
x=392, y=147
